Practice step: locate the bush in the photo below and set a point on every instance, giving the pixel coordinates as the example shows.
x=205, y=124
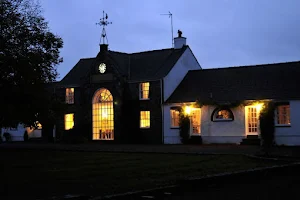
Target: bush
x=25, y=136
x=184, y=124
x=73, y=136
x=1, y=138
x=7, y=136
x=267, y=126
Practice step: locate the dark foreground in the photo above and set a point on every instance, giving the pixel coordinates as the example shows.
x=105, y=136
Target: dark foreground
x=280, y=184
x=40, y=174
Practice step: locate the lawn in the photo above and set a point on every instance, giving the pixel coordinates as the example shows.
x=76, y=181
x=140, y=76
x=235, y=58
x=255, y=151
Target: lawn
x=51, y=173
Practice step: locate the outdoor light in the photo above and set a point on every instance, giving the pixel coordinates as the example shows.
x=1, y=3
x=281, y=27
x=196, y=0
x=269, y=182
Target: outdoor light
x=259, y=106
x=187, y=110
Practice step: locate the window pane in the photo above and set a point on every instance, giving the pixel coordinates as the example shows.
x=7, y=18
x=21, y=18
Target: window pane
x=283, y=114
x=144, y=90
x=69, y=95
x=69, y=121
x=174, y=117
x=145, y=119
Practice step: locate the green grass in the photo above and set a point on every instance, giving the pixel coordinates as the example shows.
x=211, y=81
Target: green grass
x=48, y=173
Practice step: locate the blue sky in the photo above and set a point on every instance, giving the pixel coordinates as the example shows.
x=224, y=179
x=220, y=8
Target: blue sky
x=221, y=33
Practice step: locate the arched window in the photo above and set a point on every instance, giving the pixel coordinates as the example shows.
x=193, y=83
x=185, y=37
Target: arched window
x=222, y=114
x=103, y=115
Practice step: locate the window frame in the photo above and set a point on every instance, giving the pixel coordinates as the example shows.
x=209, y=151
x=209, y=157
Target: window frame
x=276, y=114
x=216, y=110
x=175, y=108
x=148, y=127
x=141, y=90
x=70, y=96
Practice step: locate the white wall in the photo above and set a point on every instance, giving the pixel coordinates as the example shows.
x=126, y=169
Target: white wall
x=223, y=131
x=18, y=134
x=185, y=63
x=171, y=135
x=290, y=135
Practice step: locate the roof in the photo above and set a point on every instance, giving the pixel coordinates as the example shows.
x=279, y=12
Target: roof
x=148, y=65
x=269, y=81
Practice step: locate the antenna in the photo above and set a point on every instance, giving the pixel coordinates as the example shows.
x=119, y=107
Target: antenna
x=103, y=22
x=171, y=16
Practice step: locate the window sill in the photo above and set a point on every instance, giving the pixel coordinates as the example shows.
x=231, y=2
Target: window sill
x=199, y=134
x=144, y=99
x=282, y=125
x=174, y=127
x=144, y=127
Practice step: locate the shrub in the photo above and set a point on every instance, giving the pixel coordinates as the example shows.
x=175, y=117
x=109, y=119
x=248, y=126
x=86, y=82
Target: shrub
x=7, y=136
x=267, y=126
x=73, y=136
x=25, y=136
x=184, y=124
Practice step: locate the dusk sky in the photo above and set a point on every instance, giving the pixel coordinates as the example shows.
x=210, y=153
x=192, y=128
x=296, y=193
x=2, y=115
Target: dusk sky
x=221, y=33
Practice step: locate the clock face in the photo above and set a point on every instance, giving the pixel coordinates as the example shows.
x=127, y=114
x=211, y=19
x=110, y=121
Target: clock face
x=102, y=68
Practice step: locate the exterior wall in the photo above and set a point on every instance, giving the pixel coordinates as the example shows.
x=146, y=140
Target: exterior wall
x=211, y=132
x=184, y=64
x=152, y=135
x=290, y=135
x=222, y=131
x=18, y=134
x=171, y=135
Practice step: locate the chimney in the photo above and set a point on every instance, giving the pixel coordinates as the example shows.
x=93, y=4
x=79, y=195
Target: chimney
x=179, y=41
x=103, y=47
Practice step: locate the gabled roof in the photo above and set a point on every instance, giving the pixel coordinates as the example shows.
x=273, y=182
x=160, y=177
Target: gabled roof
x=279, y=81
x=148, y=65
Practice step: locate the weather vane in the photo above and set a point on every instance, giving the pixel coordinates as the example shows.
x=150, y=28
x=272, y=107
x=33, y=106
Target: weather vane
x=103, y=22
x=171, y=16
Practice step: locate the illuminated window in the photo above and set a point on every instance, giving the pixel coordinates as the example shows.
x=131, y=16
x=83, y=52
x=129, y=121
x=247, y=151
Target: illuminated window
x=103, y=115
x=196, y=121
x=283, y=115
x=38, y=125
x=69, y=121
x=69, y=95
x=145, y=119
x=144, y=90
x=222, y=114
x=174, y=112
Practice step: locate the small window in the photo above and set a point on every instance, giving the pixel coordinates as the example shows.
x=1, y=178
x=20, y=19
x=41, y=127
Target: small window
x=70, y=95
x=175, y=113
x=144, y=90
x=69, y=121
x=145, y=119
x=283, y=115
x=222, y=114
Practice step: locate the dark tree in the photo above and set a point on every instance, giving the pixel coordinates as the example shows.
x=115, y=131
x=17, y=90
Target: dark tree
x=29, y=54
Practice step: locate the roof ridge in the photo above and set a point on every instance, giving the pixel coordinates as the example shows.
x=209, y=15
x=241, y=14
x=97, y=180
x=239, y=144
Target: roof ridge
x=143, y=51
x=247, y=66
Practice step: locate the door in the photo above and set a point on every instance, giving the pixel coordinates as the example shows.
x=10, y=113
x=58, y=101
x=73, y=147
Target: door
x=195, y=121
x=251, y=120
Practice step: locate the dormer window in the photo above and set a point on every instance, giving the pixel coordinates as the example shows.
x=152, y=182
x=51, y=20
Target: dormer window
x=70, y=95
x=222, y=114
x=144, y=90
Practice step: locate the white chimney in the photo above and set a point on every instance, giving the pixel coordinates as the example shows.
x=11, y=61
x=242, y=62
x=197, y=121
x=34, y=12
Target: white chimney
x=179, y=41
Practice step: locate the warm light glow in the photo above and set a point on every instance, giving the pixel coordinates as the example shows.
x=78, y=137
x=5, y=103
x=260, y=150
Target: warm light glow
x=145, y=119
x=69, y=121
x=259, y=106
x=103, y=115
x=69, y=95
x=144, y=90
x=187, y=110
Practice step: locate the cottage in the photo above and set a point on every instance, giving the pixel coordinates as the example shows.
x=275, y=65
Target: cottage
x=229, y=101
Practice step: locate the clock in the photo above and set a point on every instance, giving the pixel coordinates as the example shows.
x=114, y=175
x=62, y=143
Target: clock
x=102, y=68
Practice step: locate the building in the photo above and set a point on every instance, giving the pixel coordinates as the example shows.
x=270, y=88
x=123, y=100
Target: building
x=230, y=100
x=118, y=97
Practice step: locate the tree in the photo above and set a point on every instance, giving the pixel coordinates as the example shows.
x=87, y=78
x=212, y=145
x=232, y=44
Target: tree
x=267, y=126
x=29, y=54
